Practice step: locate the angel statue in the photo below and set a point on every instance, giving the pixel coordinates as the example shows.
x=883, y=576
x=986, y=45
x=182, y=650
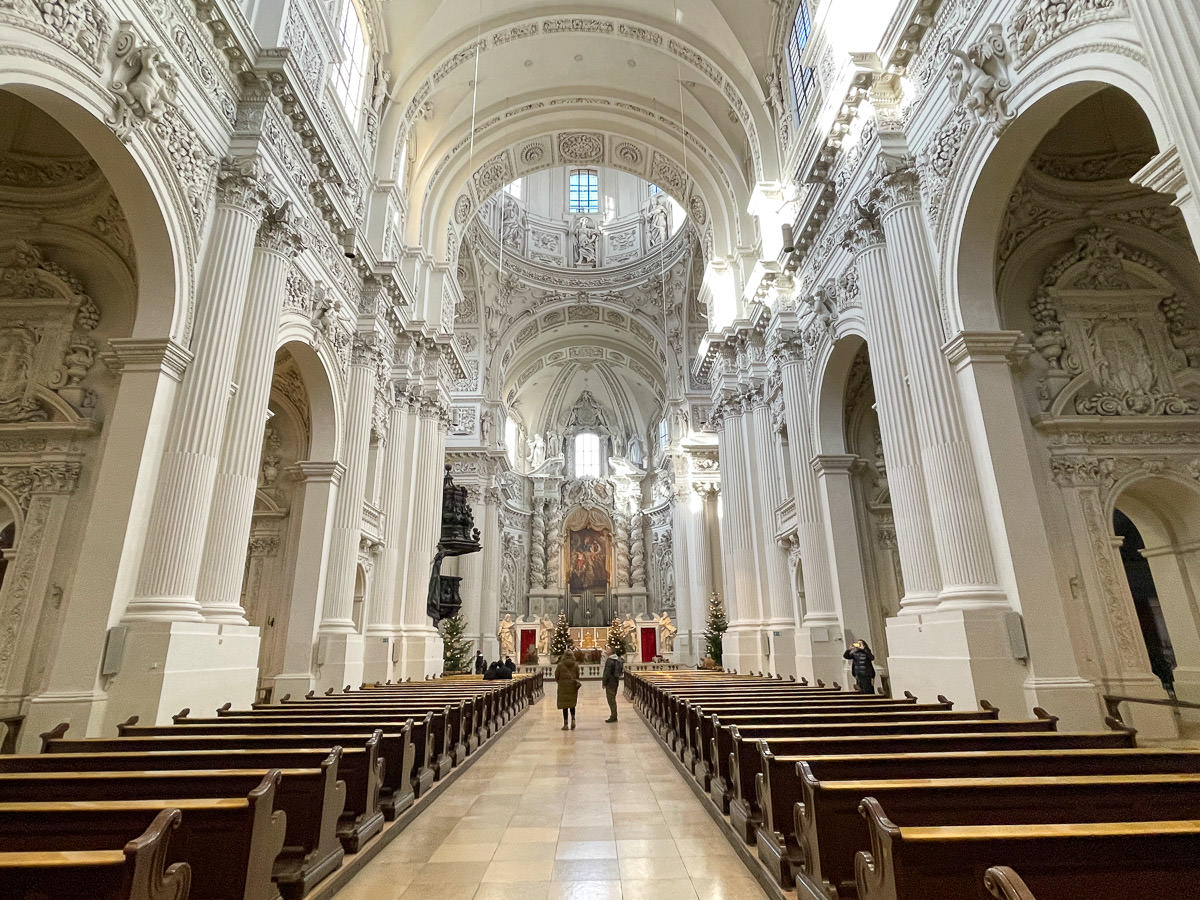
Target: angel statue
x=667, y=631
x=506, y=632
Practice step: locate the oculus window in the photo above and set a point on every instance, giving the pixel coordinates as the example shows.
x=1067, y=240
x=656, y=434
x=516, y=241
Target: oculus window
x=583, y=191
x=587, y=455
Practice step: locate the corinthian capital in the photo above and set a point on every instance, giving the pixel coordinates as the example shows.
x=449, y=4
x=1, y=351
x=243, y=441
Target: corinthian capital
x=242, y=184
x=899, y=187
x=280, y=231
x=862, y=230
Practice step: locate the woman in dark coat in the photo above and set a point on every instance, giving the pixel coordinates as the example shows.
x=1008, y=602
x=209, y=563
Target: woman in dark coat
x=861, y=657
x=566, y=673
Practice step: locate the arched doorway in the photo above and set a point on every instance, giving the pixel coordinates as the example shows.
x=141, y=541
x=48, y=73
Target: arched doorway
x=1145, y=600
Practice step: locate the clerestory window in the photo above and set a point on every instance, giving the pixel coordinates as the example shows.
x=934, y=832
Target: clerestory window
x=803, y=78
x=351, y=75
x=583, y=191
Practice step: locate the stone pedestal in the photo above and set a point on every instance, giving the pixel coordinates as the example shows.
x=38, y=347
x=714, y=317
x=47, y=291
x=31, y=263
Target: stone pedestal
x=421, y=653
x=339, y=660
x=377, y=656
x=819, y=654
x=965, y=654
x=742, y=649
x=170, y=665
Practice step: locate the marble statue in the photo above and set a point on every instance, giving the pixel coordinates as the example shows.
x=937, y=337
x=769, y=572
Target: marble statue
x=666, y=634
x=587, y=235
x=659, y=222
x=630, y=630
x=507, y=633
x=537, y=454
x=545, y=633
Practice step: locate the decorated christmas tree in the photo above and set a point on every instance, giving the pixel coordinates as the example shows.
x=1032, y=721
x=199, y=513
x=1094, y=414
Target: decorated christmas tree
x=716, y=625
x=560, y=641
x=617, y=638
x=456, y=648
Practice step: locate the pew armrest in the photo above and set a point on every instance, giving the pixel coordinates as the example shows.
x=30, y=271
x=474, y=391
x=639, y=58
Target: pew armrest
x=1005, y=884
x=145, y=860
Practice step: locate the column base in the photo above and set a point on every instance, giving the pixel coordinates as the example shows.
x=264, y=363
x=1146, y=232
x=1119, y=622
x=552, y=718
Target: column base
x=377, y=656
x=1076, y=702
x=339, y=661
x=742, y=649
x=420, y=653
x=964, y=654
x=83, y=710
x=781, y=639
x=819, y=654
x=170, y=665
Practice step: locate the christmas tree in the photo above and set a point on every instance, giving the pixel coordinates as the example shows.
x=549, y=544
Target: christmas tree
x=617, y=639
x=717, y=623
x=560, y=641
x=456, y=648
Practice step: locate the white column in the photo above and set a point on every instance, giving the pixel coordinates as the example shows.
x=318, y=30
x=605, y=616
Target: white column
x=421, y=654
x=996, y=416
x=779, y=605
x=314, y=499
x=382, y=622
x=906, y=481
x=489, y=591
x=219, y=589
x=951, y=483
x=1170, y=32
x=166, y=588
x=341, y=650
x=741, y=649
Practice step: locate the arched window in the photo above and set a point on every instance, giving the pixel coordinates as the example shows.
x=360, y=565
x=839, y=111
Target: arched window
x=803, y=79
x=351, y=75
x=587, y=455
x=583, y=191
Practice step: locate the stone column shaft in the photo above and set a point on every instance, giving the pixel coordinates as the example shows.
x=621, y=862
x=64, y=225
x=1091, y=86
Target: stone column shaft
x=951, y=483
x=820, y=603
x=426, y=499
x=166, y=588
x=736, y=549
x=381, y=614
x=778, y=603
x=906, y=481
x=219, y=588
x=347, y=513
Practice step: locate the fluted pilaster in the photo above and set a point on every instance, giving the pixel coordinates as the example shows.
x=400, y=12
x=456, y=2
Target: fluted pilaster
x=170, y=569
x=778, y=604
x=906, y=480
x=820, y=606
x=397, y=459
x=347, y=515
x=426, y=502
x=956, y=507
x=741, y=601
x=219, y=588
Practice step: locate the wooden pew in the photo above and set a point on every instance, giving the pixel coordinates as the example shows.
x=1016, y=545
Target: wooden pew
x=830, y=829
x=405, y=746
x=229, y=843
x=136, y=872
x=310, y=799
x=360, y=766
x=739, y=779
x=781, y=791
x=708, y=719
x=1065, y=861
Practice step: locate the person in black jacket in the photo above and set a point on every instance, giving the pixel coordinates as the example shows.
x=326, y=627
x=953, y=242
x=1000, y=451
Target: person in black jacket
x=480, y=663
x=495, y=671
x=614, y=668
x=861, y=657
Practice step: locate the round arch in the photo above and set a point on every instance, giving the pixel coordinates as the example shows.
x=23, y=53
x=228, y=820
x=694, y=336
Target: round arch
x=989, y=169
x=834, y=366
x=324, y=397
x=163, y=246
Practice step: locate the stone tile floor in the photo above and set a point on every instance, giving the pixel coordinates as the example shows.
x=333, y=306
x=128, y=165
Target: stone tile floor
x=591, y=814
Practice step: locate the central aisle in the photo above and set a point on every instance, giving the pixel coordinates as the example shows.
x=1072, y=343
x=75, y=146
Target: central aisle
x=600, y=812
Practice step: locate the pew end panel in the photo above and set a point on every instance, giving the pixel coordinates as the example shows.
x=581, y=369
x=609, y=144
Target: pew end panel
x=1004, y=883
